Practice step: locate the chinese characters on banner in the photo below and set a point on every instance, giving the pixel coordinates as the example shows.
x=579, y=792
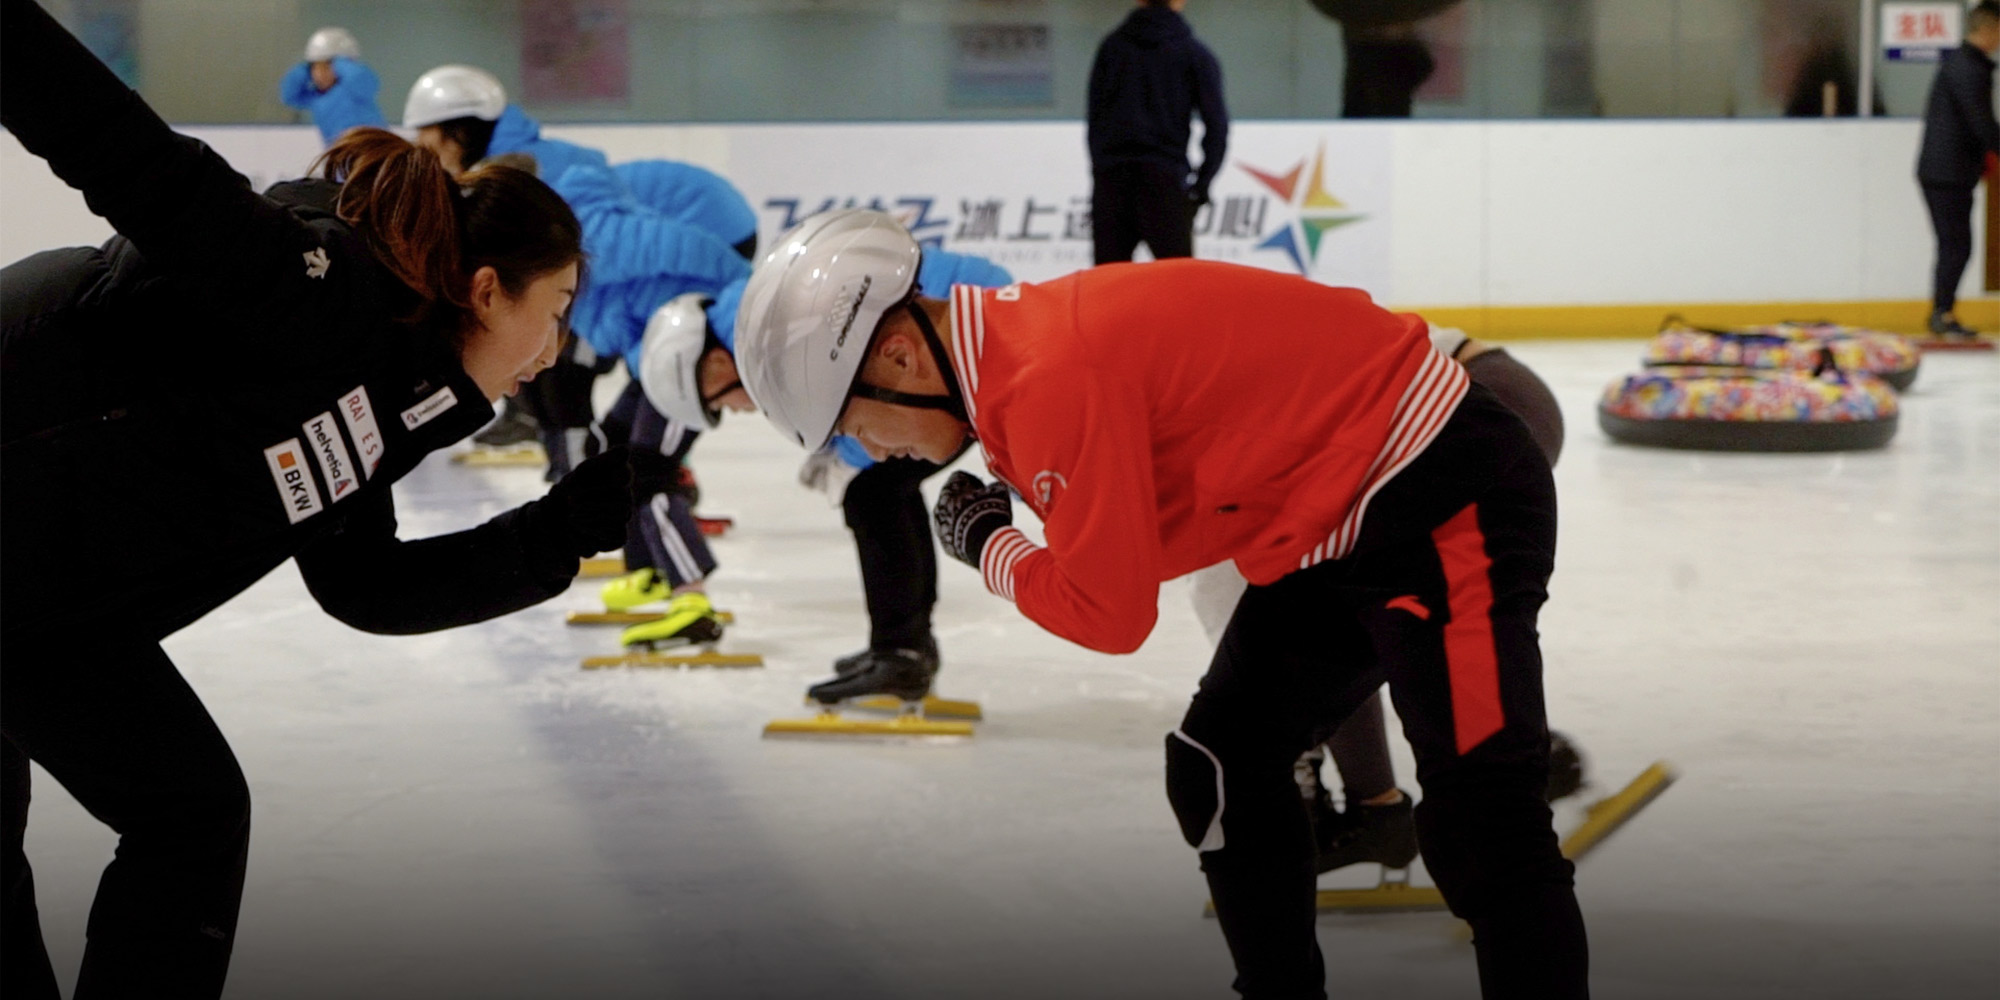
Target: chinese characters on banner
x=1287, y=198
x=574, y=51
x=1920, y=32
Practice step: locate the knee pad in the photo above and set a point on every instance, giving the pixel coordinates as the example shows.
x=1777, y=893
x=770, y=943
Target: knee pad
x=1194, y=788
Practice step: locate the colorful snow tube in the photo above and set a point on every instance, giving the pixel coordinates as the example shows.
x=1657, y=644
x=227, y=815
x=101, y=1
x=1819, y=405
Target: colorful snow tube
x=1790, y=345
x=1741, y=409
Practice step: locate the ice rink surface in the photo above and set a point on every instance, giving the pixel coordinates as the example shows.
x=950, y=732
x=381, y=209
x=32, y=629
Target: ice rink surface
x=1813, y=640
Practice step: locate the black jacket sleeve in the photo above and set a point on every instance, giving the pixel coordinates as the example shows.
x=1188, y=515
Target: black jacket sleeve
x=1214, y=116
x=1972, y=95
x=179, y=202
x=365, y=576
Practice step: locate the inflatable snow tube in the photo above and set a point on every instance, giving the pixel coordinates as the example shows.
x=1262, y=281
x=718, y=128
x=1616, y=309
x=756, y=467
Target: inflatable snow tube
x=1791, y=345
x=1739, y=409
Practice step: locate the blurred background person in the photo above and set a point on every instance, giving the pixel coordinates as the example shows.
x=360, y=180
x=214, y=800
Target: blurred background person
x=1959, y=136
x=333, y=85
x=1151, y=74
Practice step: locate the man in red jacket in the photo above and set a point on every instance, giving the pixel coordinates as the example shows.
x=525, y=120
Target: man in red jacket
x=1394, y=522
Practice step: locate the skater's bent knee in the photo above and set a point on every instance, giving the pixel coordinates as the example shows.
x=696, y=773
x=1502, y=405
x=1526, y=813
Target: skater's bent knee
x=1194, y=788
x=1486, y=850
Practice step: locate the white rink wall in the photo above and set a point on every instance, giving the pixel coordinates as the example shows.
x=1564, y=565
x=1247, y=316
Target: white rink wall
x=1423, y=214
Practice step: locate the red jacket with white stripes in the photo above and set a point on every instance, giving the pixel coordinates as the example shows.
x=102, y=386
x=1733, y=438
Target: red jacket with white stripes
x=1163, y=417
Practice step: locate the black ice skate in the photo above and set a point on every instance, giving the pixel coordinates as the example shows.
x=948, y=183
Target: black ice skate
x=903, y=674
x=1385, y=835
x=882, y=680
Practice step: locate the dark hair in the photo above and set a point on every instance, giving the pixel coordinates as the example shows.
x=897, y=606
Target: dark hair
x=433, y=231
x=1983, y=13
x=473, y=135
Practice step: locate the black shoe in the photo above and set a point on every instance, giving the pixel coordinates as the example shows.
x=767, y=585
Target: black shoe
x=1385, y=835
x=852, y=662
x=511, y=427
x=1947, y=326
x=1565, y=768
x=898, y=673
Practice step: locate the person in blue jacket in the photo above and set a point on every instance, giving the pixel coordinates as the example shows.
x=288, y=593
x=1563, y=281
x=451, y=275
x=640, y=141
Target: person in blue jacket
x=640, y=262
x=687, y=370
x=333, y=85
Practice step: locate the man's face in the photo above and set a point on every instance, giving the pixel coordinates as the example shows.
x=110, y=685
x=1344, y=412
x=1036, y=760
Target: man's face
x=887, y=430
x=323, y=76
x=1985, y=38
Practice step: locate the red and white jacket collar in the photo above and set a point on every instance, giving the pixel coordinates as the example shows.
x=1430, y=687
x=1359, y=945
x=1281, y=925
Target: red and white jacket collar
x=968, y=342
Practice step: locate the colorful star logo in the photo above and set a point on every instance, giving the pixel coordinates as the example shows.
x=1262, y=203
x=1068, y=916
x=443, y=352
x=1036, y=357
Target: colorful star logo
x=1316, y=211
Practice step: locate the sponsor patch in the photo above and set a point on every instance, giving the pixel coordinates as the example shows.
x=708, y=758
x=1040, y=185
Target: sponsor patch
x=1011, y=293
x=361, y=428
x=424, y=412
x=323, y=436
x=295, y=485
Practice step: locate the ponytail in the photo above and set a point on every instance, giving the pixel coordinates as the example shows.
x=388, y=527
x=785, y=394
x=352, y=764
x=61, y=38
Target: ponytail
x=399, y=196
x=432, y=231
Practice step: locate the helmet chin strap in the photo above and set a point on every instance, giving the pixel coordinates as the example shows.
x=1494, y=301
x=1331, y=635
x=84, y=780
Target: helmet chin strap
x=953, y=399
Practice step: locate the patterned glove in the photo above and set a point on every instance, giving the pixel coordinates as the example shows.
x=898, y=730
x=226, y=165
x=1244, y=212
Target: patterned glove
x=969, y=512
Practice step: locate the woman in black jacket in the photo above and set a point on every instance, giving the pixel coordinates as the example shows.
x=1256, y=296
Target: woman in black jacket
x=232, y=381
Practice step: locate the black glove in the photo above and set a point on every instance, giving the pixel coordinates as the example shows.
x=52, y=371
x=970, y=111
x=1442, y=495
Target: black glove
x=1197, y=196
x=969, y=512
x=585, y=513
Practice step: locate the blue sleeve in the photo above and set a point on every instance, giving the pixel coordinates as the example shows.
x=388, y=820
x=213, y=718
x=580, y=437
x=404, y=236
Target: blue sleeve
x=554, y=158
x=627, y=241
x=296, y=89
x=351, y=101
x=691, y=194
x=943, y=269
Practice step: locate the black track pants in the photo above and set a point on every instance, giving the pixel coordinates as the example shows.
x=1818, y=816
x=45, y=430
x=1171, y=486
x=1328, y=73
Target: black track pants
x=884, y=507
x=1951, y=220
x=1439, y=599
x=663, y=533
x=1134, y=202
x=122, y=731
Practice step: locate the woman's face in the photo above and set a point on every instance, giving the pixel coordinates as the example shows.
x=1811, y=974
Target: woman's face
x=514, y=337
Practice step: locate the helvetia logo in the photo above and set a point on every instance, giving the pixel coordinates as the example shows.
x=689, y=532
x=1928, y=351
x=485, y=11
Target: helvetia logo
x=1315, y=211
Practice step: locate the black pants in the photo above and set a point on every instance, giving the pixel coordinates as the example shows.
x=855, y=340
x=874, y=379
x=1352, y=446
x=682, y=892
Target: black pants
x=559, y=400
x=1131, y=202
x=121, y=730
x=884, y=507
x=1439, y=599
x=1951, y=219
x=663, y=534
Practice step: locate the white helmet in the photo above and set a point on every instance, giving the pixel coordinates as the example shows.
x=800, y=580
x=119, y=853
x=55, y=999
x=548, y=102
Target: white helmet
x=670, y=356
x=329, y=42
x=449, y=92
x=810, y=310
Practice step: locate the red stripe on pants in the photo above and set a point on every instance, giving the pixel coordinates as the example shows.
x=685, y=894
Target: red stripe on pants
x=1476, y=712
